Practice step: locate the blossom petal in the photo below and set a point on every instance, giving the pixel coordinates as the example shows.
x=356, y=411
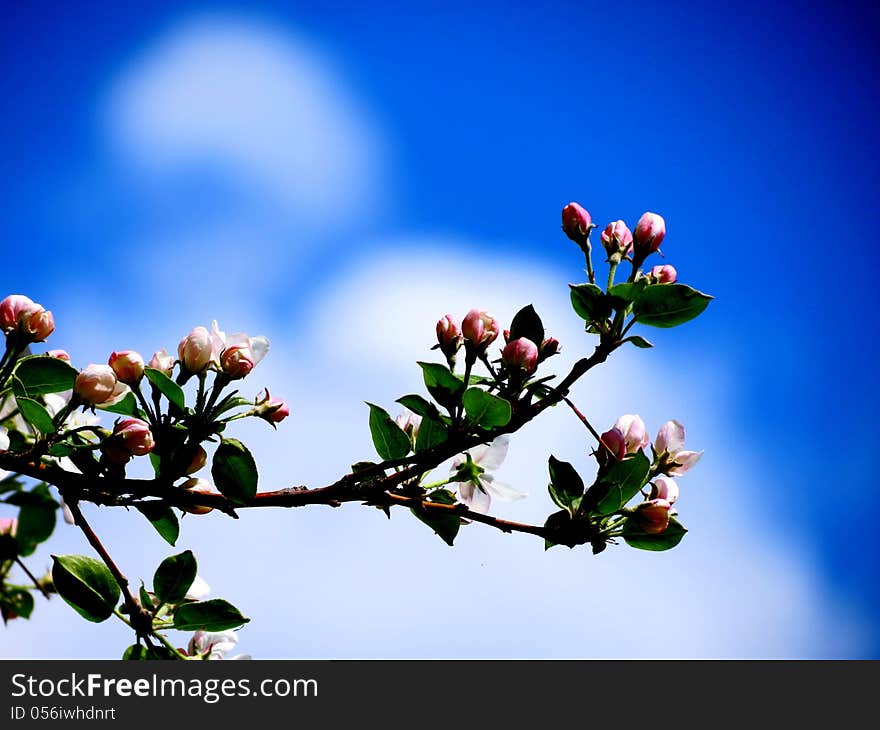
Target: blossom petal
x=119, y=392
x=502, y=491
x=494, y=454
x=259, y=347
x=474, y=497
x=670, y=438
x=684, y=461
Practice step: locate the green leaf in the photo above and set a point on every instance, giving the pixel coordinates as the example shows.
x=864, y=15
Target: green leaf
x=590, y=302
x=636, y=537
x=36, y=518
x=622, y=482
x=235, y=471
x=445, y=525
x=431, y=433
x=146, y=599
x=390, y=440
x=566, y=486
x=212, y=615
x=639, y=342
x=43, y=374
x=669, y=305
x=174, y=576
x=86, y=585
x=486, y=410
x=136, y=652
x=626, y=293
x=8, y=547
x=126, y=407
x=35, y=414
x=167, y=387
x=445, y=387
x=527, y=324
x=163, y=518
x=419, y=405
x=17, y=601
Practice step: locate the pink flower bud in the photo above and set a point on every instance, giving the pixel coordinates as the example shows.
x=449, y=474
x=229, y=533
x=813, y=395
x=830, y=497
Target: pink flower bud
x=8, y=525
x=200, y=458
x=161, y=360
x=635, y=435
x=135, y=435
x=521, y=353
x=59, y=355
x=649, y=233
x=273, y=410
x=665, y=488
x=448, y=335
x=576, y=222
x=14, y=308
x=237, y=361
x=653, y=516
x=615, y=442
x=38, y=325
x=665, y=274
x=549, y=347
x=128, y=366
x=617, y=238
x=195, y=350
x=479, y=328
x=409, y=423
x=95, y=384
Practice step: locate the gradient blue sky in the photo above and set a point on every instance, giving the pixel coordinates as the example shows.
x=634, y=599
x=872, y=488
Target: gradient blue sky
x=458, y=132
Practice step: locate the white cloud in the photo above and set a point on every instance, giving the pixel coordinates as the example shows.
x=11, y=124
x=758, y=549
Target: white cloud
x=255, y=103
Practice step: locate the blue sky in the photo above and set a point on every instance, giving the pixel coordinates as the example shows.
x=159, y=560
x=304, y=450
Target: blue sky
x=167, y=163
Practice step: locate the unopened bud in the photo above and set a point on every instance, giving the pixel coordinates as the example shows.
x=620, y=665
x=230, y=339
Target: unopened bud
x=549, y=347
x=521, y=353
x=194, y=484
x=237, y=361
x=615, y=443
x=200, y=458
x=59, y=355
x=665, y=274
x=649, y=233
x=273, y=410
x=128, y=366
x=95, y=384
x=195, y=350
x=577, y=223
x=448, y=336
x=162, y=361
x=479, y=328
x=635, y=434
x=617, y=239
x=653, y=516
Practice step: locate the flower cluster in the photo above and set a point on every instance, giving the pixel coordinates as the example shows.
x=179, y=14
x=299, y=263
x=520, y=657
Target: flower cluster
x=670, y=459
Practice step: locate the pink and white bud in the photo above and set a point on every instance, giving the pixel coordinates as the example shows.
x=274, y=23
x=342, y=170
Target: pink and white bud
x=669, y=447
x=665, y=274
x=95, y=384
x=448, y=335
x=649, y=233
x=409, y=423
x=549, y=347
x=38, y=325
x=576, y=222
x=521, y=353
x=664, y=488
x=194, y=484
x=195, y=351
x=200, y=458
x=162, y=361
x=653, y=516
x=131, y=437
x=635, y=434
x=8, y=525
x=59, y=355
x=615, y=443
x=237, y=361
x=273, y=410
x=128, y=366
x=14, y=308
x=617, y=238
x=479, y=328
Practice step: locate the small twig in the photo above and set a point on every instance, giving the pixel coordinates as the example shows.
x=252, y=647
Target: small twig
x=31, y=577
x=583, y=419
